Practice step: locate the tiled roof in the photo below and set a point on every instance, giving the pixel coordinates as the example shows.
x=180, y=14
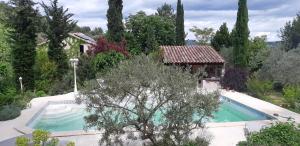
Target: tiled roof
x=83, y=37
x=191, y=54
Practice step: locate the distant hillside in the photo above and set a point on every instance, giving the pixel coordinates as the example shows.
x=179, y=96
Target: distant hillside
x=190, y=42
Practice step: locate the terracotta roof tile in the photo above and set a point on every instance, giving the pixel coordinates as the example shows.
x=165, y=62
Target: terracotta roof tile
x=191, y=54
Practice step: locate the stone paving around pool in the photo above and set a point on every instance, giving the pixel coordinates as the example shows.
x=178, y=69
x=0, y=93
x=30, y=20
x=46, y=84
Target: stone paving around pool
x=221, y=134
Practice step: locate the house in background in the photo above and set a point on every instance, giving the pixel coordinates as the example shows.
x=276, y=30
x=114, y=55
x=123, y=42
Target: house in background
x=196, y=57
x=75, y=45
x=79, y=42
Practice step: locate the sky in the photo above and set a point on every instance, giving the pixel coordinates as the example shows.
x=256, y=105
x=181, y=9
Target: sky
x=266, y=17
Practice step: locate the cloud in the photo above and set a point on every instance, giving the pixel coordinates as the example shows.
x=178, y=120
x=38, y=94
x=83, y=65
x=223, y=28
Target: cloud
x=265, y=16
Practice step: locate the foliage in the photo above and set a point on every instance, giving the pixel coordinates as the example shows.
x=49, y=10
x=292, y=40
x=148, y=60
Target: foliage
x=85, y=69
x=104, y=61
x=115, y=25
x=292, y=95
x=258, y=52
x=40, y=94
x=23, y=24
x=151, y=31
x=59, y=25
x=199, y=141
x=227, y=54
x=222, y=38
x=203, y=36
x=74, y=43
x=22, y=141
x=280, y=134
x=259, y=88
x=8, y=112
x=166, y=11
x=40, y=137
x=132, y=95
x=290, y=34
x=180, y=34
x=93, y=33
x=5, y=50
x=269, y=67
x=235, y=79
x=240, y=36
x=71, y=144
x=104, y=46
x=282, y=67
x=45, y=70
x=133, y=46
x=63, y=86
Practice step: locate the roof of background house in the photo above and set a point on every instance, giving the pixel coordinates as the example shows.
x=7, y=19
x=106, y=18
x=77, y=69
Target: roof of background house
x=83, y=37
x=191, y=55
x=77, y=35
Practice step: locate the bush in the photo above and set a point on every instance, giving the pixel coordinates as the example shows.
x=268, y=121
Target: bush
x=40, y=137
x=40, y=94
x=235, y=79
x=9, y=112
x=104, y=61
x=63, y=86
x=292, y=95
x=259, y=88
x=85, y=70
x=22, y=141
x=280, y=134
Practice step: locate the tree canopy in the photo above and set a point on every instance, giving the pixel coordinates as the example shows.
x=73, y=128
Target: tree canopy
x=166, y=11
x=240, y=36
x=180, y=33
x=150, y=31
x=203, y=36
x=150, y=98
x=59, y=25
x=23, y=23
x=290, y=34
x=222, y=38
x=115, y=25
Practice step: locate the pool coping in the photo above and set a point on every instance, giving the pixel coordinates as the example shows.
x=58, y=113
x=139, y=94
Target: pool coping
x=228, y=94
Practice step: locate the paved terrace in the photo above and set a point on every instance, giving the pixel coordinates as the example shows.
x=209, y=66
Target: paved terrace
x=221, y=134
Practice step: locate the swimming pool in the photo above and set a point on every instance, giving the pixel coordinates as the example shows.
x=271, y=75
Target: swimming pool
x=70, y=117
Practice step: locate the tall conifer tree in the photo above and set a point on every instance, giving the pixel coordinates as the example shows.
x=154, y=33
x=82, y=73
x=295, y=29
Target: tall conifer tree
x=59, y=25
x=221, y=38
x=115, y=24
x=241, y=36
x=23, y=22
x=180, y=34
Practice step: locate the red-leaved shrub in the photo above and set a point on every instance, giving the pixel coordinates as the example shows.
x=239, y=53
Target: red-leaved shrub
x=103, y=45
x=235, y=79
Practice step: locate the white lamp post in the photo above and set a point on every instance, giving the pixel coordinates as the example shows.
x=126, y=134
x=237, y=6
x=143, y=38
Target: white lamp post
x=74, y=62
x=21, y=84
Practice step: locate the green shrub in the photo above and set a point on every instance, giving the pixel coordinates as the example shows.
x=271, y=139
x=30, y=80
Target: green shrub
x=104, y=61
x=40, y=137
x=22, y=141
x=199, y=141
x=71, y=144
x=40, y=94
x=292, y=94
x=8, y=112
x=53, y=142
x=63, y=86
x=280, y=134
x=259, y=88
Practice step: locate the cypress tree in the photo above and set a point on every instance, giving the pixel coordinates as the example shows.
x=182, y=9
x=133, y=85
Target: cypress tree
x=23, y=22
x=114, y=17
x=180, y=34
x=59, y=24
x=221, y=38
x=241, y=36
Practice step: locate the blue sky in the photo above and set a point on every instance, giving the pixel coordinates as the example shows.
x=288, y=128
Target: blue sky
x=266, y=16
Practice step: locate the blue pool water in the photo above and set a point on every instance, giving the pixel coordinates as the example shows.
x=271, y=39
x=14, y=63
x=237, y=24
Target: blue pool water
x=70, y=117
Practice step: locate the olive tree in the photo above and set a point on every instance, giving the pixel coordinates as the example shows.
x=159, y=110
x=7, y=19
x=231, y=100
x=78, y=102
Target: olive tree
x=157, y=102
